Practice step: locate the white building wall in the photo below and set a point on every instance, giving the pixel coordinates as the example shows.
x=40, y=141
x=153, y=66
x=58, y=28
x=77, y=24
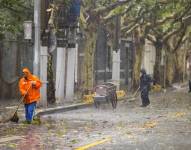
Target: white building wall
x=149, y=56
x=116, y=69
x=60, y=74
x=70, y=73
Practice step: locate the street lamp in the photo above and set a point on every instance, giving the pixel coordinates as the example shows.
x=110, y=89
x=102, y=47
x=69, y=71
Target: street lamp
x=27, y=30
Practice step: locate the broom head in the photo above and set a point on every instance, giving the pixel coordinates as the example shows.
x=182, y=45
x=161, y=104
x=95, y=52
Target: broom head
x=15, y=118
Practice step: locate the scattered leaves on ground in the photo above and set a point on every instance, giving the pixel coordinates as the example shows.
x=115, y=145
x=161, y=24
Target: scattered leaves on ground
x=150, y=124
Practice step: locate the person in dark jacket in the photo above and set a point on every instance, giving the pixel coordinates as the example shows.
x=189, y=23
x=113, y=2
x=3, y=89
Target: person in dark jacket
x=145, y=85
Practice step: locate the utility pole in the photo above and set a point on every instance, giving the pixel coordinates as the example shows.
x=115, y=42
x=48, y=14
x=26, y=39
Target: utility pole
x=36, y=62
x=40, y=51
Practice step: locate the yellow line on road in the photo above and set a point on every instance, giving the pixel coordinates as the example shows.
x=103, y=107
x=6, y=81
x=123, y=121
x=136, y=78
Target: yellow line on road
x=85, y=147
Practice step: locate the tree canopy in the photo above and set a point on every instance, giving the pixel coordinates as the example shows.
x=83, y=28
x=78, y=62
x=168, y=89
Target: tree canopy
x=12, y=15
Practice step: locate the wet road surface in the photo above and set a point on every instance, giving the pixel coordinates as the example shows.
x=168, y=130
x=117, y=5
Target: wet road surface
x=164, y=125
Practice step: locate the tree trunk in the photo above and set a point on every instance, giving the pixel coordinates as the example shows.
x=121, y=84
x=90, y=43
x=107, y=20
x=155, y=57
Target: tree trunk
x=180, y=65
x=170, y=68
x=176, y=62
x=139, y=46
x=157, y=66
x=50, y=88
x=88, y=67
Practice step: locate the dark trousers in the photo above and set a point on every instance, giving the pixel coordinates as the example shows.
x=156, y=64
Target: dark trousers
x=29, y=111
x=189, y=85
x=145, y=96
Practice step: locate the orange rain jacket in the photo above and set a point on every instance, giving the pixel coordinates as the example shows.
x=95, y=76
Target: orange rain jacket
x=33, y=94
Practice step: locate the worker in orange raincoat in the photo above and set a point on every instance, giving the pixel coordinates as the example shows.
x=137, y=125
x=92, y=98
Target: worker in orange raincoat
x=29, y=86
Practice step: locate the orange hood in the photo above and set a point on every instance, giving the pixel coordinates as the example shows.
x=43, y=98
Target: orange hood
x=28, y=72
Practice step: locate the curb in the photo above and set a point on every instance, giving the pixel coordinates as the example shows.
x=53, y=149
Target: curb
x=62, y=109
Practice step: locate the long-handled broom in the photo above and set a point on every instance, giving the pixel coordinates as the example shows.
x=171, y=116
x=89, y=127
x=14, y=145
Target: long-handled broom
x=15, y=117
x=133, y=96
x=136, y=92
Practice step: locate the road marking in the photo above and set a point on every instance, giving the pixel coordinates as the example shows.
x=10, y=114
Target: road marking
x=85, y=147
